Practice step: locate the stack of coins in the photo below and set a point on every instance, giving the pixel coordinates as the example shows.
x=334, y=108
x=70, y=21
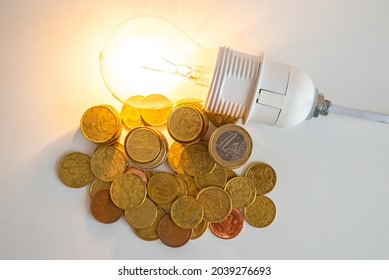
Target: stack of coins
x=201, y=192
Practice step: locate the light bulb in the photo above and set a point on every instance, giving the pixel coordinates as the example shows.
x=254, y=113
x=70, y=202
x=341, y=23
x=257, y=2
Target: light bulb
x=147, y=54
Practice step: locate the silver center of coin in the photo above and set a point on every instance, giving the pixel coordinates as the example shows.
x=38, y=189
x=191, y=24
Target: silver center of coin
x=231, y=146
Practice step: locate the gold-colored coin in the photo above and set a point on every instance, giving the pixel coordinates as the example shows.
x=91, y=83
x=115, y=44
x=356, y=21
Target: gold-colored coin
x=220, y=119
x=217, y=178
x=185, y=124
x=108, y=162
x=98, y=185
x=130, y=112
x=103, y=209
x=74, y=170
x=196, y=161
x=261, y=212
x=191, y=186
x=216, y=204
x=142, y=144
x=230, y=174
x=187, y=212
x=230, y=146
x=155, y=109
x=163, y=187
x=150, y=233
x=100, y=124
x=174, y=157
x=128, y=191
x=142, y=216
x=182, y=191
x=263, y=176
x=200, y=229
x=241, y=190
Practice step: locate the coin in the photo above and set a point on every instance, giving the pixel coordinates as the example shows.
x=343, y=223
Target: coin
x=200, y=229
x=108, y=162
x=128, y=191
x=150, y=233
x=263, y=176
x=241, y=190
x=182, y=191
x=220, y=119
x=130, y=112
x=142, y=144
x=196, y=161
x=261, y=212
x=155, y=109
x=185, y=123
x=230, y=146
x=163, y=187
x=140, y=173
x=171, y=234
x=74, y=170
x=141, y=216
x=187, y=212
x=103, y=209
x=230, y=227
x=230, y=174
x=217, y=178
x=191, y=186
x=100, y=124
x=174, y=157
x=98, y=185
x=216, y=204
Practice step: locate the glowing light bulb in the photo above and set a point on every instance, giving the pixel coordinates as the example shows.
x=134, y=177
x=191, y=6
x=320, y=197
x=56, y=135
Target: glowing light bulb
x=146, y=55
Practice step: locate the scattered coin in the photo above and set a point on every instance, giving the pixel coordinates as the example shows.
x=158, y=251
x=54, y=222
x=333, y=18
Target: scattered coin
x=220, y=119
x=230, y=146
x=128, y=191
x=150, y=233
x=130, y=112
x=216, y=204
x=187, y=212
x=141, y=216
x=230, y=227
x=200, y=229
x=163, y=187
x=103, y=209
x=74, y=170
x=196, y=161
x=98, y=185
x=174, y=157
x=217, y=178
x=261, y=212
x=241, y=190
x=155, y=109
x=263, y=176
x=171, y=234
x=142, y=144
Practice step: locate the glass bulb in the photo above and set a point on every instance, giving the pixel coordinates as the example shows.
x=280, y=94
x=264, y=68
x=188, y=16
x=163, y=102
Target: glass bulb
x=150, y=55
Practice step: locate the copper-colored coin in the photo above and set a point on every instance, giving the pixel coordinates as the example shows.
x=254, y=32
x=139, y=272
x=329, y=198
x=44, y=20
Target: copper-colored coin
x=74, y=170
x=230, y=227
x=103, y=209
x=171, y=234
x=261, y=212
x=263, y=176
x=230, y=146
x=136, y=171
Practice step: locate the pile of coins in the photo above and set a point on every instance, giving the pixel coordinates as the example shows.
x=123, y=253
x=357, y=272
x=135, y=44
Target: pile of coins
x=200, y=191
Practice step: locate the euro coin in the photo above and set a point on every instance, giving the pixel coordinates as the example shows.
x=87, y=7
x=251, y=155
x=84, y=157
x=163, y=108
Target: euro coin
x=171, y=234
x=100, y=124
x=217, y=178
x=103, y=209
x=220, y=119
x=108, y=162
x=261, y=212
x=142, y=145
x=216, y=204
x=187, y=212
x=200, y=229
x=163, y=187
x=141, y=216
x=182, y=191
x=196, y=161
x=230, y=146
x=263, y=176
x=230, y=227
x=150, y=233
x=230, y=173
x=185, y=124
x=98, y=185
x=131, y=112
x=241, y=190
x=155, y=109
x=74, y=170
x=191, y=185
x=174, y=157
x=140, y=173
x=128, y=191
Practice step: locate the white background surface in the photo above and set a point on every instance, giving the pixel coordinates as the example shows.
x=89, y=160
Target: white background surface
x=332, y=190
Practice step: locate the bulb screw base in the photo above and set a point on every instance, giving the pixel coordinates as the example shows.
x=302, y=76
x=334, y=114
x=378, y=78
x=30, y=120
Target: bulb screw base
x=322, y=106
